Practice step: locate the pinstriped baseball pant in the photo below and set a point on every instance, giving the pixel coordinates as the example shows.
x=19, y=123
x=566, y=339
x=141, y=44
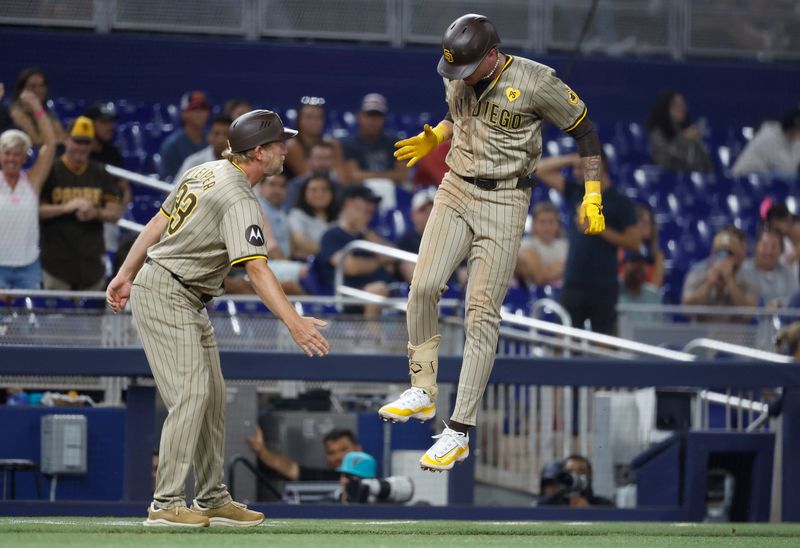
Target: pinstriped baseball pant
x=179, y=343
x=485, y=226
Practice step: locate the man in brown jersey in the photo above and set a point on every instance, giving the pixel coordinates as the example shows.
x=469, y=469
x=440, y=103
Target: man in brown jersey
x=210, y=222
x=496, y=106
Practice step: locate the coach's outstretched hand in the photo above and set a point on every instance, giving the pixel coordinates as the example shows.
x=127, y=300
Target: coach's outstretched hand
x=415, y=148
x=307, y=336
x=118, y=292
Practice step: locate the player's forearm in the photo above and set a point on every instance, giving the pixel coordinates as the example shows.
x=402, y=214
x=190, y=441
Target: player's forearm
x=269, y=290
x=591, y=168
x=138, y=253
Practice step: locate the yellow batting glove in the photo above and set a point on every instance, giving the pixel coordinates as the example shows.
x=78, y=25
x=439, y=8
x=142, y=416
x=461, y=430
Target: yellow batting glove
x=415, y=148
x=592, y=209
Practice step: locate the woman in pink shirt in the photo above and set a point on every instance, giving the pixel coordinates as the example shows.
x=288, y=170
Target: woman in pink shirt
x=19, y=199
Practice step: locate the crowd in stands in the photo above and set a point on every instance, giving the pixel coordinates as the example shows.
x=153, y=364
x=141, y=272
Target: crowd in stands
x=55, y=201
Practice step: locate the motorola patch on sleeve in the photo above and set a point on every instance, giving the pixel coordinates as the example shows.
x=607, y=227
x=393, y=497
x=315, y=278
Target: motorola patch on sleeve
x=254, y=235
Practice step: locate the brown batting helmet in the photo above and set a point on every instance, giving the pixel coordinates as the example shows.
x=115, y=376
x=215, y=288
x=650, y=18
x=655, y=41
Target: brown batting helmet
x=464, y=45
x=257, y=127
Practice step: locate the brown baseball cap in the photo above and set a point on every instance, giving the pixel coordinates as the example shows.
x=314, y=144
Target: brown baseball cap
x=257, y=127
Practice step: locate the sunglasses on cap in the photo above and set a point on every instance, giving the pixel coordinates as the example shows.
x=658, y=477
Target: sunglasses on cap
x=312, y=101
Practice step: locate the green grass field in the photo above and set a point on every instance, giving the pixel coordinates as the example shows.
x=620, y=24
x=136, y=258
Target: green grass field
x=89, y=533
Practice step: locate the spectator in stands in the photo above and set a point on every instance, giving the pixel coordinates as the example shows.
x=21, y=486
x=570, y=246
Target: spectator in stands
x=19, y=200
x=233, y=108
x=311, y=125
x=104, y=151
x=104, y=116
x=591, y=286
x=431, y=169
x=792, y=259
x=543, y=254
x=675, y=142
x=650, y=249
x=271, y=195
x=33, y=80
x=370, y=153
x=774, y=149
x=5, y=118
x=787, y=341
x=634, y=288
x=321, y=160
x=364, y=271
x=421, y=206
x=777, y=217
x=183, y=142
x=775, y=280
x=719, y=280
x=569, y=483
x=337, y=443
x=77, y=198
x=217, y=139
x=316, y=212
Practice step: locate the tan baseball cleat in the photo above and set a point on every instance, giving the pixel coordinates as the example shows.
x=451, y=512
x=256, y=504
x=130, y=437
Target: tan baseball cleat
x=233, y=514
x=414, y=403
x=179, y=516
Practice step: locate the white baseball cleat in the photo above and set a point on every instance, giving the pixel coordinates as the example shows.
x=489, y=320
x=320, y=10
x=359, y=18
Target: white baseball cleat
x=414, y=403
x=450, y=447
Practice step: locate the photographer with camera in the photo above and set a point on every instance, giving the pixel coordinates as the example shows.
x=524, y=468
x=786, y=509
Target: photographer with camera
x=569, y=483
x=359, y=484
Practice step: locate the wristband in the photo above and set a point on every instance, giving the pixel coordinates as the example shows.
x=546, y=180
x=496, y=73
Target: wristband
x=592, y=187
x=439, y=131
x=39, y=113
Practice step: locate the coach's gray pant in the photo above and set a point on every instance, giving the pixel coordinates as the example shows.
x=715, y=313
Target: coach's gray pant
x=485, y=226
x=179, y=342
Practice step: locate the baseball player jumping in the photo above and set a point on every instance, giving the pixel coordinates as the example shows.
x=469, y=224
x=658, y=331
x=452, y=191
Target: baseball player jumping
x=210, y=222
x=496, y=106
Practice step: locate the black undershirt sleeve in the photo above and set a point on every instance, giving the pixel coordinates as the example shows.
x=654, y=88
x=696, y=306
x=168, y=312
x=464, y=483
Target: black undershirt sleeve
x=586, y=136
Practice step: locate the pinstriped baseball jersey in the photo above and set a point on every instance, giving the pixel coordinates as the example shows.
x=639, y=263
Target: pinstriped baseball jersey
x=214, y=223
x=498, y=135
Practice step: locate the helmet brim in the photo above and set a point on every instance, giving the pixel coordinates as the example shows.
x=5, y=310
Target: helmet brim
x=456, y=72
x=288, y=133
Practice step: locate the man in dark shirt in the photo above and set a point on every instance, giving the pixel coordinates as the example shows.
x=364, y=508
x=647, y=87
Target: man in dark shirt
x=362, y=270
x=591, y=288
x=421, y=205
x=77, y=198
x=191, y=138
x=370, y=153
x=104, y=116
x=337, y=443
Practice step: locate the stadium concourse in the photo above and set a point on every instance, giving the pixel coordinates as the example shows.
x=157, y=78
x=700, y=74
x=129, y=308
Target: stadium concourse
x=686, y=411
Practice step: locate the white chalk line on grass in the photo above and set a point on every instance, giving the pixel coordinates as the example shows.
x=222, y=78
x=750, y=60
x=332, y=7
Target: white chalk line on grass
x=35, y=521
x=407, y=522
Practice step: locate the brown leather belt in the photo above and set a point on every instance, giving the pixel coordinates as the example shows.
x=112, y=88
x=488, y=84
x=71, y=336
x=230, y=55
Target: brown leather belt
x=491, y=184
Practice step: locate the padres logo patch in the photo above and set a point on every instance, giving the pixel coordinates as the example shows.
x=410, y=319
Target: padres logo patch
x=254, y=235
x=448, y=55
x=513, y=94
x=572, y=97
